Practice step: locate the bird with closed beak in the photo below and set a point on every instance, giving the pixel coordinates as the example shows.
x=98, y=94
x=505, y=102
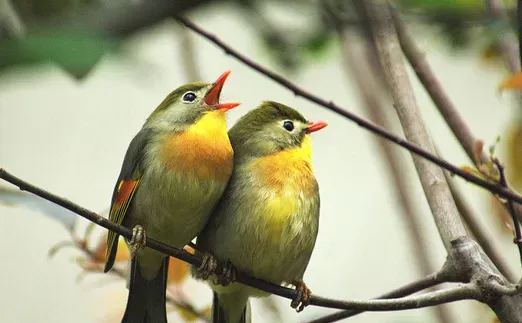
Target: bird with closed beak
x=266, y=223
x=174, y=172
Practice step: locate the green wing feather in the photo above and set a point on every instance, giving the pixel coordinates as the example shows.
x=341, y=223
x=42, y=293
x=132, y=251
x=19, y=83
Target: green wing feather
x=124, y=191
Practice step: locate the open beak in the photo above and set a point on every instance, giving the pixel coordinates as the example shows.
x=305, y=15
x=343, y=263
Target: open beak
x=314, y=126
x=212, y=97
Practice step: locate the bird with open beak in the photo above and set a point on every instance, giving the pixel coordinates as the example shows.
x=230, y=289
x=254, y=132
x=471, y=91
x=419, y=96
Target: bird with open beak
x=173, y=174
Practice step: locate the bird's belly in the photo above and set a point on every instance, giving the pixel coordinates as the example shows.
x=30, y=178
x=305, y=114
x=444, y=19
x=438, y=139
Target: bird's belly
x=280, y=244
x=174, y=207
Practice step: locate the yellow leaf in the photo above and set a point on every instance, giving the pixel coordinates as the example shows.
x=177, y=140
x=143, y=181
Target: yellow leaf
x=101, y=250
x=513, y=140
x=514, y=82
x=491, y=54
x=178, y=271
x=186, y=315
x=207, y=311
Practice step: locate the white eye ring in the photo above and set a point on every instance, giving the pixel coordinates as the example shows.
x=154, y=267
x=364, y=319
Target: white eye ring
x=189, y=97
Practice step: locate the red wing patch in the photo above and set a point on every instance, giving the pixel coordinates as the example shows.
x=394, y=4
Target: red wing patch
x=126, y=190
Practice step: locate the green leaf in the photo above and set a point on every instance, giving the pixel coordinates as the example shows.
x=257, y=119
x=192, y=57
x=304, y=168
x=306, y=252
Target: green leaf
x=318, y=44
x=74, y=51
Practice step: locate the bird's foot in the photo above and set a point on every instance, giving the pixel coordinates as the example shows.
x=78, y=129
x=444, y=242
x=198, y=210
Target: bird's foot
x=228, y=274
x=208, y=266
x=303, y=296
x=138, y=240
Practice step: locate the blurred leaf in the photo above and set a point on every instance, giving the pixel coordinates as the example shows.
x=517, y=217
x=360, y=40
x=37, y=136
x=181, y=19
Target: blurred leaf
x=491, y=54
x=513, y=139
x=13, y=197
x=443, y=4
x=100, y=250
x=272, y=308
x=186, y=315
x=31, y=9
x=281, y=50
x=178, y=269
x=514, y=82
x=74, y=51
x=59, y=246
x=318, y=44
x=207, y=311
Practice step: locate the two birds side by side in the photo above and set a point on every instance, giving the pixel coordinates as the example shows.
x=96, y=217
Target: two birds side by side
x=249, y=196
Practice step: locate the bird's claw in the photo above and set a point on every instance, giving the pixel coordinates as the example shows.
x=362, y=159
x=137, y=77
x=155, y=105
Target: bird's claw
x=228, y=274
x=303, y=296
x=208, y=266
x=138, y=240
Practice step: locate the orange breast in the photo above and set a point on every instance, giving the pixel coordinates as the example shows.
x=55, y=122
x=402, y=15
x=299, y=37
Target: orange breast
x=288, y=170
x=203, y=150
x=289, y=176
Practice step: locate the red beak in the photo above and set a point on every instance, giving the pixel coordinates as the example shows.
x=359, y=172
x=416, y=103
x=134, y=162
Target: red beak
x=314, y=126
x=212, y=97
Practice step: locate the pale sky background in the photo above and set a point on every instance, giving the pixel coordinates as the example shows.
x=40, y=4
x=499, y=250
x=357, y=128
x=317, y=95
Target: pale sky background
x=70, y=137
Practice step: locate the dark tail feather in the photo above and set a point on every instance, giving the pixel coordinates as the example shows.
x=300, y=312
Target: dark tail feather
x=111, y=256
x=146, y=302
x=218, y=314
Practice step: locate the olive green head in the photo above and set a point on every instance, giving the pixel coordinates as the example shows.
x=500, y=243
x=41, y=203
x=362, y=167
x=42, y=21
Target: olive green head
x=186, y=104
x=270, y=128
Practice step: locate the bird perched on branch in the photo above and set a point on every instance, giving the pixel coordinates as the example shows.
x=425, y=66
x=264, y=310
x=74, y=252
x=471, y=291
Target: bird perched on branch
x=266, y=223
x=174, y=172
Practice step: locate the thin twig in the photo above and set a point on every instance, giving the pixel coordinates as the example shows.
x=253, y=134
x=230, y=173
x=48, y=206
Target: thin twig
x=493, y=187
x=462, y=292
x=417, y=286
x=512, y=212
x=467, y=291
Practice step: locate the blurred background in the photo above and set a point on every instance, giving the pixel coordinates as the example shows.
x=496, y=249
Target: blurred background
x=79, y=77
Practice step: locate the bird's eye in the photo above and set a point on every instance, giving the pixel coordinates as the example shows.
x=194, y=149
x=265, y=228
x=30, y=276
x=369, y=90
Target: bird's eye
x=189, y=97
x=288, y=125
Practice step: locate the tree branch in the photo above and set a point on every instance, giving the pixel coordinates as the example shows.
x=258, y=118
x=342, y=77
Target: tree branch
x=429, y=80
x=465, y=291
x=465, y=258
x=468, y=291
x=446, y=107
x=367, y=85
x=480, y=232
x=493, y=187
x=511, y=207
x=432, y=177
x=417, y=286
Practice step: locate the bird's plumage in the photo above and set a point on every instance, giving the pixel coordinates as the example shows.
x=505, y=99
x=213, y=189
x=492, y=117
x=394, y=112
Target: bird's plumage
x=174, y=172
x=267, y=221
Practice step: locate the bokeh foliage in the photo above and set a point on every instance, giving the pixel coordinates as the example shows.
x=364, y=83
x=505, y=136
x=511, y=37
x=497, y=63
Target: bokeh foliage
x=463, y=24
